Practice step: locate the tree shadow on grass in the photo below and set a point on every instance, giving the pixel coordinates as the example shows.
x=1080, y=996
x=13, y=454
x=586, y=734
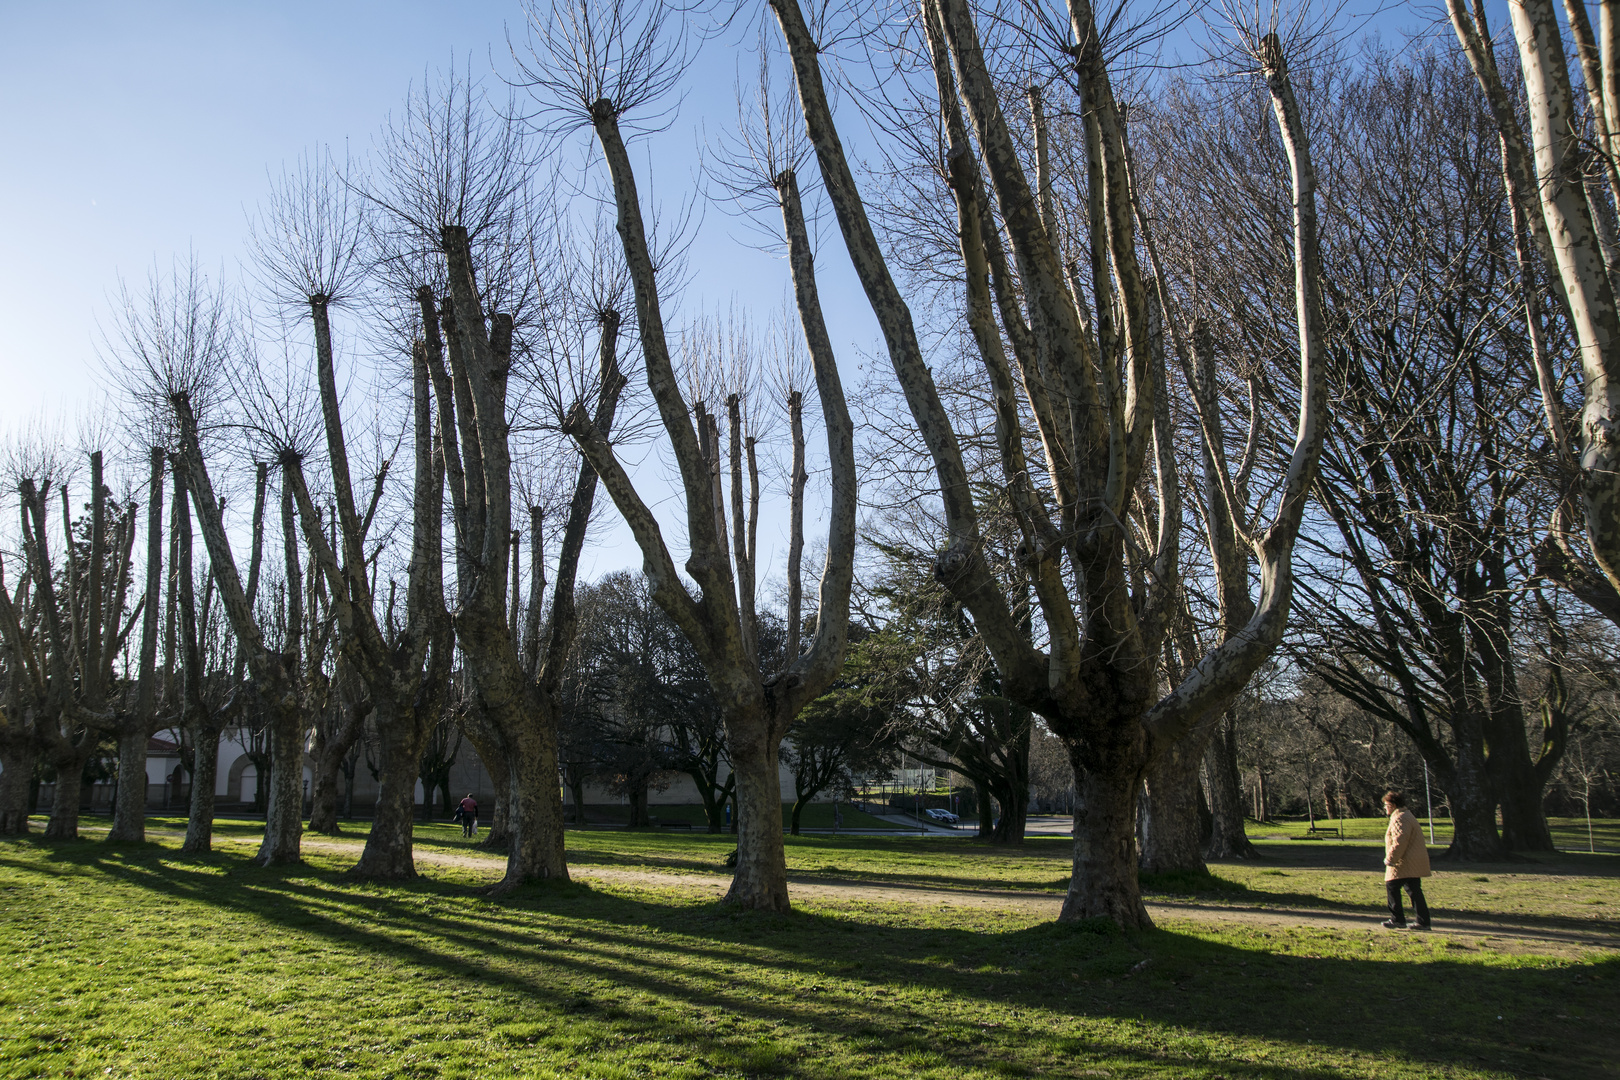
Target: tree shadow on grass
x=884, y=980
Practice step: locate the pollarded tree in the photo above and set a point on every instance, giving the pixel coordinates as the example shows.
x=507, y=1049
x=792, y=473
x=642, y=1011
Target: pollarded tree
x=270, y=640
x=138, y=718
x=62, y=630
x=455, y=181
x=1094, y=387
x=596, y=61
x=309, y=240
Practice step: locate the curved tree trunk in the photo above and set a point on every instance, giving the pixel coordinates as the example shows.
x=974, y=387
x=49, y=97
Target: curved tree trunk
x=1014, y=800
x=760, y=882
x=1172, y=837
x=1229, y=840
x=204, y=772
x=325, y=786
x=798, y=808
x=17, y=760
x=1524, y=818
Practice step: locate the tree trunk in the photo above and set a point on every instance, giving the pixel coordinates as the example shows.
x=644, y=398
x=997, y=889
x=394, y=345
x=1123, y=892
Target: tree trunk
x=204, y=770
x=987, y=812
x=1014, y=800
x=16, y=785
x=1515, y=779
x=388, y=854
x=323, y=788
x=535, y=823
x=638, y=806
x=714, y=809
x=1103, y=884
x=1524, y=817
x=576, y=791
x=798, y=807
x=1171, y=831
x=761, y=880
x=129, y=803
x=487, y=745
x=284, y=813
x=1473, y=809
x=64, y=820
x=1230, y=840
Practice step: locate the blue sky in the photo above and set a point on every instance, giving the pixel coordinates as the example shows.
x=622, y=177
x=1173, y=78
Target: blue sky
x=134, y=131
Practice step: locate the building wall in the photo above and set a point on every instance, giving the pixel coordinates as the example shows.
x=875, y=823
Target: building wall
x=236, y=779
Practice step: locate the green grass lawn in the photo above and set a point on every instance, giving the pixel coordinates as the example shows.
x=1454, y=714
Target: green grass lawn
x=137, y=962
x=1568, y=833
x=814, y=816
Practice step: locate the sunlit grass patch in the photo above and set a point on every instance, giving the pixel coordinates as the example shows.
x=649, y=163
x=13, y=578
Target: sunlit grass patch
x=145, y=963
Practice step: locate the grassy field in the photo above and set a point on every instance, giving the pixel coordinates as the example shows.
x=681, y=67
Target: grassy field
x=136, y=962
x=814, y=816
x=1569, y=834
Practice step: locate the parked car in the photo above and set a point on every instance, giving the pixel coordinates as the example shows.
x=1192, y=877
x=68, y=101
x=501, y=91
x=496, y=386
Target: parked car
x=944, y=817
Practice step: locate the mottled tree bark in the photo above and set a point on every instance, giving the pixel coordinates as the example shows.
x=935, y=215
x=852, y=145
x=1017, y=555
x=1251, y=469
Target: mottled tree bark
x=204, y=776
x=1171, y=835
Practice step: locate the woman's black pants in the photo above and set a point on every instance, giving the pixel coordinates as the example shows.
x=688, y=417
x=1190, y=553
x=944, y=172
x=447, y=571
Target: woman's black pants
x=1414, y=889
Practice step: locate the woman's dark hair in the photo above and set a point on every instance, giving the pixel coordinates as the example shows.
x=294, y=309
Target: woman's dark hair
x=1397, y=799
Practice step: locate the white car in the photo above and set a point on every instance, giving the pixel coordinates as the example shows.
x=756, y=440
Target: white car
x=942, y=816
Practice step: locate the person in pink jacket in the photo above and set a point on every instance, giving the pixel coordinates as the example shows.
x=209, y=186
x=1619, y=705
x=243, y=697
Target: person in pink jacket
x=1406, y=863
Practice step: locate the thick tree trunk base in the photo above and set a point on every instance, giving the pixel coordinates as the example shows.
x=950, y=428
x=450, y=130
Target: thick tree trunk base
x=129, y=805
x=760, y=883
x=323, y=808
x=64, y=820
x=1172, y=840
x=200, y=823
x=16, y=783
x=1524, y=821
x=389, y=851
x=535, y=849
x=1474, y=837
x=284, y=816
x=1104, y=884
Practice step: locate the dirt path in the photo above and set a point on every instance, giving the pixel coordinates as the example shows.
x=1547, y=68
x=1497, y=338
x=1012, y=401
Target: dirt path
x=1466, y=929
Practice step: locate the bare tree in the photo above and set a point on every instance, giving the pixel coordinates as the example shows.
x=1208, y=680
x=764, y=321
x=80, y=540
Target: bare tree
x=62, y=631
x=1564, y=211
x=309, y=238
x=1096, y=392
x=139, y=719
x=594, y=62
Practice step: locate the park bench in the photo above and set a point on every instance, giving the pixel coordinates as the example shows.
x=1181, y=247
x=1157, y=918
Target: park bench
x=674, y=824
x=1325, y=830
